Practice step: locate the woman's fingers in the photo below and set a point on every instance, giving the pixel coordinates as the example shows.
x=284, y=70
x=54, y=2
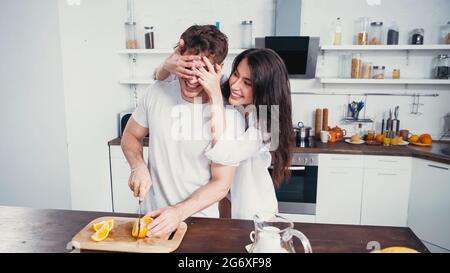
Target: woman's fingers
x=208, y=64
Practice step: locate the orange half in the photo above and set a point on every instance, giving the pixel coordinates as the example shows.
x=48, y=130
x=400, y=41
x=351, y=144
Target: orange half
x=97, y=226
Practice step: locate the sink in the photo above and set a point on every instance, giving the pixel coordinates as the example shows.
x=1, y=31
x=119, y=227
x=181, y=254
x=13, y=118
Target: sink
x=446, y=151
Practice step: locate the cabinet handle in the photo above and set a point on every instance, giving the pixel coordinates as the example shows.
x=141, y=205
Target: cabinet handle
x=388, y=174
x=439, y=167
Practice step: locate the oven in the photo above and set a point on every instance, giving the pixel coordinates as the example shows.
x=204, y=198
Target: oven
x=298, y=193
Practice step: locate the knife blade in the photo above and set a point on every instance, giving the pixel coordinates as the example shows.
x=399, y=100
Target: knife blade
x=139, y=220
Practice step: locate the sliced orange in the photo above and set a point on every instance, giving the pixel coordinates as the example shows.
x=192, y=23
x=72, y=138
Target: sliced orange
x=102, y=233
x=97, y=226
x=143, y=222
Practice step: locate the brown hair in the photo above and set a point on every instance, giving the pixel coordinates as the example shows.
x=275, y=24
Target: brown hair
x=205, y=38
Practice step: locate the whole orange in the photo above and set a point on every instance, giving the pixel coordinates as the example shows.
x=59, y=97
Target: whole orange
x=380, y=138
x=425, y=139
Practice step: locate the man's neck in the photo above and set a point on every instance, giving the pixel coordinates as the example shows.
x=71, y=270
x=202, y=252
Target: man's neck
x=203, y=98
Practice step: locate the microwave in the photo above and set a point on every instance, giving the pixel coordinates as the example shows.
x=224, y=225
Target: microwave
x=299, y=53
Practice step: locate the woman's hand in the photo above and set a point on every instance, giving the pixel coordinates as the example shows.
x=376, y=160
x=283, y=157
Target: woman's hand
x=167, y=220
x=210, y=79
x=181, y=65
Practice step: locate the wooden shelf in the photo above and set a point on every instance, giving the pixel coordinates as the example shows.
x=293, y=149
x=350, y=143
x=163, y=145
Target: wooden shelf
x=232, y=51
x=384, y=81
x=383, y=47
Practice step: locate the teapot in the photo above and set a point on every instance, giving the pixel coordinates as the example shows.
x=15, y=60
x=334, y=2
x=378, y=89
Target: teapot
x=273, y=234
x=337, y=133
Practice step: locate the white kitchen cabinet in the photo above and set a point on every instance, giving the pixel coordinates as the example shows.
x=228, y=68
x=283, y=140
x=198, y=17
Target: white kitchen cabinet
x=386, y=190
x=123, y=199
x=339, y=189
x=429, y=202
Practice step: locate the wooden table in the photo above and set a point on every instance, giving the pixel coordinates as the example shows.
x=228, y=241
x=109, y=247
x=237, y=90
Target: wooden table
x=38, y=230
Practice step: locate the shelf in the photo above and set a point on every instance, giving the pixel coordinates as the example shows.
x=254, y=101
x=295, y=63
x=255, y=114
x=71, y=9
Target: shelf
x=137, y=81
x=384, y=81
x=231, y=51
x=364, y=120
x=383, y=47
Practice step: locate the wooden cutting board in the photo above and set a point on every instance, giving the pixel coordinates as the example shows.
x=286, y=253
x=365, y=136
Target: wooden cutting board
x=120, y=239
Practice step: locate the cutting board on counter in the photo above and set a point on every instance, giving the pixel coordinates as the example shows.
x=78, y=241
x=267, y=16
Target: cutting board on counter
x=120, y=239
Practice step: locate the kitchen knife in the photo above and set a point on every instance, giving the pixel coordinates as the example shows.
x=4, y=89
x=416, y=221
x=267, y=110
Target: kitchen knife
x=139, y=220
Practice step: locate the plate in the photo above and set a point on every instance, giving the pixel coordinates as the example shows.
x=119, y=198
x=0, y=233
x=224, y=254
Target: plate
x=420, y=144
x=401, y=144
x=349, y=141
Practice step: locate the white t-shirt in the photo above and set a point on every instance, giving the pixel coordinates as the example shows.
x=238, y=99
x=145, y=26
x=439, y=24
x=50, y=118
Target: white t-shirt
x=179, y=133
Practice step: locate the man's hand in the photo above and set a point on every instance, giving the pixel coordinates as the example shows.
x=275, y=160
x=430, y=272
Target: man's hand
x=210, y=79
x=181, y=65
x=167, y=220
x=140, y=181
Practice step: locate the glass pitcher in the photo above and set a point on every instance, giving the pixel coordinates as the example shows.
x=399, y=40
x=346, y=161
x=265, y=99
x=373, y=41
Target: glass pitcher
x=273, y=234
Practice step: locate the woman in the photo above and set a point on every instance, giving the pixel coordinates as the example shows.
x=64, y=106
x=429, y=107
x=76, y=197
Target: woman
x=259, y=78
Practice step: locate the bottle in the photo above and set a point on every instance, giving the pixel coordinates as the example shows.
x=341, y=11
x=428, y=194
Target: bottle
x=337, y=35
x=149, y=38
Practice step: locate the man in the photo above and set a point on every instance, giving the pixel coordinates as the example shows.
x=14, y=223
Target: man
x=182, y=180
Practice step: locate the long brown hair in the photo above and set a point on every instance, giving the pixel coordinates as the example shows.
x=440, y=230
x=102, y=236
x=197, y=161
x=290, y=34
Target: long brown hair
x=271, y=87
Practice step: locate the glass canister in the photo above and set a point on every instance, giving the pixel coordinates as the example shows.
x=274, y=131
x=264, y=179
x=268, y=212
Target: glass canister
x=378, y=72
x=445, y=33
x=247, y=34
x=356, y=66
x=366, y=70
x=417, y=36
x=392, y=34
x=442, y=67
x=345, y=66
x=362, y=27
x=130, y=32
x=396, y=74
x=376, y=30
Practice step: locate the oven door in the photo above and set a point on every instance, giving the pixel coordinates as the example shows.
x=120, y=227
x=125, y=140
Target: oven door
x=298, y=193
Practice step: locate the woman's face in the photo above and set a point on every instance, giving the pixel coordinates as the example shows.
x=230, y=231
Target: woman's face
x=241, y=88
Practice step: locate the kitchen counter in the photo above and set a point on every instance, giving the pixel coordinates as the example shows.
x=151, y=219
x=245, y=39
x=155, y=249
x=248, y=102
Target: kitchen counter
x=42, y=230
x=433, y=153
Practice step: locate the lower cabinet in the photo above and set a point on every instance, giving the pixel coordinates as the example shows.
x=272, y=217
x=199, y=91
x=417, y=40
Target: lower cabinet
x=429, y=203
x=122, y=197
x=339, y=189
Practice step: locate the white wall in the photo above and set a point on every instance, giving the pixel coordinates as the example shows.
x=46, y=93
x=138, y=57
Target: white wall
x=408, y=14
x=34, y=169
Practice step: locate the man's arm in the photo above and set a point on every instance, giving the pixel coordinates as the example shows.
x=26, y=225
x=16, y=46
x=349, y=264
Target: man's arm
x=139, y=181
x=216, y=189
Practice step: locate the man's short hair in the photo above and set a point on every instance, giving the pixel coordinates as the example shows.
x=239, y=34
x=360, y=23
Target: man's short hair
x=205, y=38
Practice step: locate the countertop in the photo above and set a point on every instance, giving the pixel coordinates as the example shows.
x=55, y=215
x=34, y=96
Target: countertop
x=43, y=230
x=433, y=153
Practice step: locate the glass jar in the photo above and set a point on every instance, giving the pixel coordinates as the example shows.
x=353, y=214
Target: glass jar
x=345, y=66
x=392, y=34
x=362, y=27
x=417, y=36
x=247, y=34
x=149, y=38
x=376, y=30
x=356, y=66
x=396, y=74
x=130, y=32
x=366, y=70
x=442, y=67
x=445, y=33
x=378, y=72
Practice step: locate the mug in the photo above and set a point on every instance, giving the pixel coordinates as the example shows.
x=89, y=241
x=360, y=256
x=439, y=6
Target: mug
x=324, y=136
x=405, y=134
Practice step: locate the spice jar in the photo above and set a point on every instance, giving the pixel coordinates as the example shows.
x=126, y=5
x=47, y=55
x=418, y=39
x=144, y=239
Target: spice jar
x=130, y=31
x=442, y=67
x=392, y=34
x=362, y=26
x=366, y=70
x=396, y=74
x=356, y=66
x=376, y=30
x=378, y=72
x=417, y=36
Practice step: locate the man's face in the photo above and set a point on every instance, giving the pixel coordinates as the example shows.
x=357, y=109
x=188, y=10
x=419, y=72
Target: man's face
x=192, y=88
